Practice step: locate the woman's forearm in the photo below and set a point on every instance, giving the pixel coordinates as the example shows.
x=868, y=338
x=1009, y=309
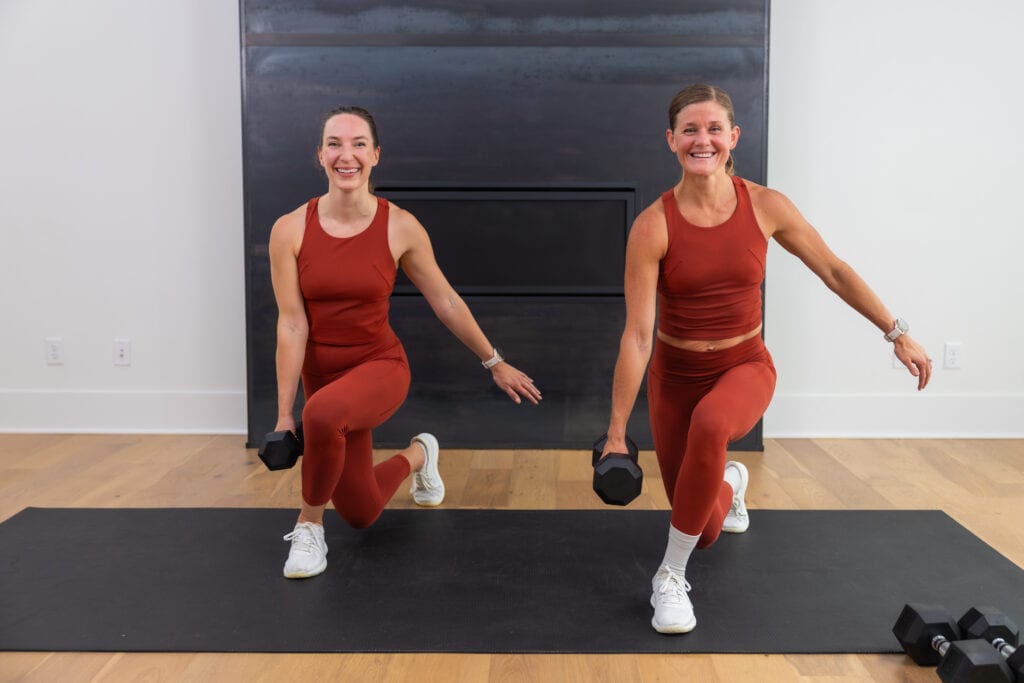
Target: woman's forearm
x=291, y=351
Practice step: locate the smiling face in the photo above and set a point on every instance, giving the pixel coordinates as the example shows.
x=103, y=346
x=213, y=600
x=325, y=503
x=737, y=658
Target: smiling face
x=348, y=151
x=703, y=137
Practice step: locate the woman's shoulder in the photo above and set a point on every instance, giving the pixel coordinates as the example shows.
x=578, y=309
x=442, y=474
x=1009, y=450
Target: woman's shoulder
x=764, y=197
x=395, y=212
x=773, y=210
x=298, y=214
x=753, y=189
x=654, y=213
x=401, y=219
x=651, y=227
x=291, y=224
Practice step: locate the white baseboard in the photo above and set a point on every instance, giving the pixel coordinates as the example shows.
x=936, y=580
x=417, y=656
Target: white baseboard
x=966, y=416
x=122, y=412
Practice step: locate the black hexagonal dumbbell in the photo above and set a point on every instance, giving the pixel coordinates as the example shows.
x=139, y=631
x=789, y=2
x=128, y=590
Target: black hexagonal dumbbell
x=281, y=450
x=971, y=661
x=618, y=478
x=990, y=624
x=1014, y=656
x=929, y=636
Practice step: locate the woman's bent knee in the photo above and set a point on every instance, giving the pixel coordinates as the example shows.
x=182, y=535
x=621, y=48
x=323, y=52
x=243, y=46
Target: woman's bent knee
x=359, y=519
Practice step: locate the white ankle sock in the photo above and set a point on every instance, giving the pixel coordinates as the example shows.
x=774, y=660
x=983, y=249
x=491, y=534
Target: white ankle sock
x=732, y=478
x=677, y=554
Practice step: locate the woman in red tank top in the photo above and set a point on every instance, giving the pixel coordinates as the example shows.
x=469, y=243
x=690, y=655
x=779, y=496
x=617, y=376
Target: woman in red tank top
x=333, y=262
x=695, y=259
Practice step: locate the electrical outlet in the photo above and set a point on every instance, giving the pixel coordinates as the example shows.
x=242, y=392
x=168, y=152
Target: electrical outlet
x=951, y=356
x=54, y=350
x=122, y=352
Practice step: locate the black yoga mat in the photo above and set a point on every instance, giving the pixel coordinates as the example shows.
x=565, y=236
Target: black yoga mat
x=203, y=580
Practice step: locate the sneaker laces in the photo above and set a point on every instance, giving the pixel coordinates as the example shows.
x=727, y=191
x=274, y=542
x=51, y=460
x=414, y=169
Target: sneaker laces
x=425, y=482
x=422, y=480
x=736, y=510
x=303, y=538
x=672, y=588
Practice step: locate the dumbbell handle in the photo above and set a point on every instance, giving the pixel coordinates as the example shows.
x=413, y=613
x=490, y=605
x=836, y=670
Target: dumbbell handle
x=633, y=452
x=610, y=454
x=941, y=645
x=1003, y=647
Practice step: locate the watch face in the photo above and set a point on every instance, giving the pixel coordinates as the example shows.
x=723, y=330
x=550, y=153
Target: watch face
x=900, y=328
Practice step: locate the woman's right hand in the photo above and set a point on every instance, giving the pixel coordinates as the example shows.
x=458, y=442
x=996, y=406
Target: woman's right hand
x=515, y=383
x=285, y=424
x=615, y=445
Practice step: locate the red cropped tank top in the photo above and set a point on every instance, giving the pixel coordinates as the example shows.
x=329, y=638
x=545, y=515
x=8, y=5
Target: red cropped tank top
x=709, y=283
x=346, y=282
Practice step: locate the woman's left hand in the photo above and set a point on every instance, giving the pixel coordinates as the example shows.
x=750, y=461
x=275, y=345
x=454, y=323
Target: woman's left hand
x=915, y=358
x=515, y=383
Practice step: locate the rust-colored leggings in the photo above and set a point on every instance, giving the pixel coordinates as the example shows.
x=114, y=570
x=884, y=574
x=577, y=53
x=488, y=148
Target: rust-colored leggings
x=349, y=391
x=699, y=401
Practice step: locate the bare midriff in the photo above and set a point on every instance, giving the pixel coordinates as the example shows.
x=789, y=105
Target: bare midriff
x=706, y=345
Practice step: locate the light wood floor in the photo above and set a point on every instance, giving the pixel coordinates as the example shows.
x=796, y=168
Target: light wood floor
x=980, y=483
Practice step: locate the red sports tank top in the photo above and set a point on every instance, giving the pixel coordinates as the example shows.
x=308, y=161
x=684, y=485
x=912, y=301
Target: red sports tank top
x=709, y=283
x=346, y=282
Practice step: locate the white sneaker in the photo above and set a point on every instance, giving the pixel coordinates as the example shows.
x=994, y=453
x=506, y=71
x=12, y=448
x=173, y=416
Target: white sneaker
x=673, y=611
x=737, y=521
x=308, y=555
x=427, y=487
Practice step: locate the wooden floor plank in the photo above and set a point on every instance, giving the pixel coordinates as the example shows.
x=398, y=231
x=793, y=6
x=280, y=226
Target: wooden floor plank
x=980, y=483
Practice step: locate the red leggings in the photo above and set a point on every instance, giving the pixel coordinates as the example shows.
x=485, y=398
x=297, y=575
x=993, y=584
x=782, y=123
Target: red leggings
x=699, y=401
x=350, y=390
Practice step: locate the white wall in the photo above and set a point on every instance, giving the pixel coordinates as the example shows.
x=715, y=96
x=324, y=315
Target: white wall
x=892, y=126
x=121, y=196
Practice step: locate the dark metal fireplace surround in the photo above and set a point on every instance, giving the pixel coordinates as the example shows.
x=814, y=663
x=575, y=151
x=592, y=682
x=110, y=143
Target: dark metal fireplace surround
x=525, y=136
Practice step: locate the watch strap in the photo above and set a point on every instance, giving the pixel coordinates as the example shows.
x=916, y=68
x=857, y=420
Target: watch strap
x=493, y=360
x=899, y=328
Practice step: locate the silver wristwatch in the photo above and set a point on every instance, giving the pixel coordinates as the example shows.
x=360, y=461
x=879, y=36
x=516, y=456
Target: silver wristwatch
x=899, y=328
x=493, y=360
